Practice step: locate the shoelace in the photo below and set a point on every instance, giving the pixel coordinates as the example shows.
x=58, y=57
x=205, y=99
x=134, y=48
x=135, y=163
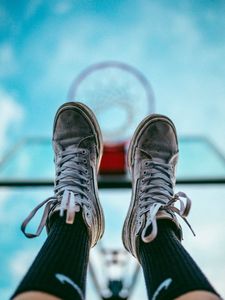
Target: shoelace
x=70, y=192
x=157, y=194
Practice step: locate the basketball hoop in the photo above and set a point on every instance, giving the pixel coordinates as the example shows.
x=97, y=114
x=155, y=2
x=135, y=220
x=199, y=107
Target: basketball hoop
x=121, y=97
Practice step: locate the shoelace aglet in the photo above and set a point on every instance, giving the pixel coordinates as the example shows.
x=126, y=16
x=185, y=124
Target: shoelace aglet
x=64, y=203
x=73, y=207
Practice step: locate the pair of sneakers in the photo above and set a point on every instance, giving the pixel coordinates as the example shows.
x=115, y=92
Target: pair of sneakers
x=152, y=159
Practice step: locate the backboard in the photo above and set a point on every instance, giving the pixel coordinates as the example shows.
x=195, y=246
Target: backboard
x=30, y=163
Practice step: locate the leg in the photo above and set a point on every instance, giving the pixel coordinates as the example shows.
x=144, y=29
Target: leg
x=60, y=267
x=199, y=295
x=151, y=230
x=35, y=296
x=59, y=270
x=169, y=270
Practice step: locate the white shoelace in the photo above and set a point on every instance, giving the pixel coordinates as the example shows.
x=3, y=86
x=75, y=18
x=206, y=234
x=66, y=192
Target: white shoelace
x=156, y=193
x=71, y=189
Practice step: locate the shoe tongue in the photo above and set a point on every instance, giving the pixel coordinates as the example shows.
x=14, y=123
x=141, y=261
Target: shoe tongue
x=161, y=157
x=70, y=142
x=157, y=159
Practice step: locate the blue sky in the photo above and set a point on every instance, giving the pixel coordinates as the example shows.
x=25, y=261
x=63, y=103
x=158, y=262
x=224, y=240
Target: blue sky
x=178, y=45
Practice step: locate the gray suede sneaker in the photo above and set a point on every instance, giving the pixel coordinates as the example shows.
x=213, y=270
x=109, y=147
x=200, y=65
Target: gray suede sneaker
x=78, y=147
x=152, y=159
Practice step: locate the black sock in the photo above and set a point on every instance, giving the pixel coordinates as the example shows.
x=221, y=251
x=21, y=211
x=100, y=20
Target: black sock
x=169, y=270
x=60, y=267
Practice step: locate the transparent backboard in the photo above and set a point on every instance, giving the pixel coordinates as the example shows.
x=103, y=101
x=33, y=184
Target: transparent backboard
x=31, y=160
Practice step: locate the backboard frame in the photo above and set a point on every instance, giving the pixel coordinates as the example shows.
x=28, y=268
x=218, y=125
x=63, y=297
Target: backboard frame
x=104, y=181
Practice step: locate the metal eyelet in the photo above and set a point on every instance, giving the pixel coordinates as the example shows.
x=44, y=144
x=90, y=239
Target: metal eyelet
x=83, y=151
x=146, y=163
x=85, y=161
x=144, y=172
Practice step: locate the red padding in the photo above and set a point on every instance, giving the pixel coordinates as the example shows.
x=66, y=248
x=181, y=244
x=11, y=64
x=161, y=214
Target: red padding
x=113, y=159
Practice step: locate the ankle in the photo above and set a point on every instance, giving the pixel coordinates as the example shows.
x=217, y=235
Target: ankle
x=198, y=295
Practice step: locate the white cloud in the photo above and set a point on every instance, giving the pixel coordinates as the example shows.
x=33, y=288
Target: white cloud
x=63, y=7
x=5, y=194
x=8, y=64
x=20, y=262
x=11, y=116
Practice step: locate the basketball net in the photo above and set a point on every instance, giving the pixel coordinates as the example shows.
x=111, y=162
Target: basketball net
x=121, y=97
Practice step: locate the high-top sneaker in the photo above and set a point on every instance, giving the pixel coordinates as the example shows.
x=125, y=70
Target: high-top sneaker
x=152, y=159
x=78, y=146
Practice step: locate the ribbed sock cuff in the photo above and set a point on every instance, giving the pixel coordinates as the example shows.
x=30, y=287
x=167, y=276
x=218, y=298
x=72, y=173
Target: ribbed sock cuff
x=166, y=262
x=61, y=265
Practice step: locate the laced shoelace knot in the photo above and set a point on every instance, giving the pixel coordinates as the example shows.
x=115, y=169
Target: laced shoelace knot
x=72, y=185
